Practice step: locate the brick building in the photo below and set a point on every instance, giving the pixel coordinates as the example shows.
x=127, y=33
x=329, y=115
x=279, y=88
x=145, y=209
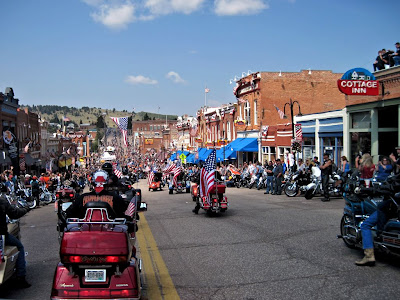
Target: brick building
x=260, y=93
x=147, y=135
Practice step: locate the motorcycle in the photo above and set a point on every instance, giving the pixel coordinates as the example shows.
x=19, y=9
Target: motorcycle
x=295, y=183
x=236, y=178
x=194, y=189
x=360, y=203
x=253, y=181
x=156, y=182
x=217, y=201
x=245, y=179
x=315, y=187
x=180, y=183
x=89, y=267
x=9, y=254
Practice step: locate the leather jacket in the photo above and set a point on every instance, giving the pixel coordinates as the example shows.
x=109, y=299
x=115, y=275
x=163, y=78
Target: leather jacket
x=7, y=209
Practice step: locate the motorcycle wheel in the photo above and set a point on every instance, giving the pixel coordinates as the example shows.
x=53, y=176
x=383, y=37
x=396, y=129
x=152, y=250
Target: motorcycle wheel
x=309, y=194
x=291, y=189
x=237, y=184
x=343, y=232
x=250, y=185
x=46, y=198
x=32, y=204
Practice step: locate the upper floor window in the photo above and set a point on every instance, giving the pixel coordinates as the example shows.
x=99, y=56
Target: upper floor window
x=247, y=115
x=255, y=112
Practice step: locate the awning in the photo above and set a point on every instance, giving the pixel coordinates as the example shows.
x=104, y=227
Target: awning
x=205, y=154
x=190, y=158
x=246, y=145
x=29, y=161
x=5, y=161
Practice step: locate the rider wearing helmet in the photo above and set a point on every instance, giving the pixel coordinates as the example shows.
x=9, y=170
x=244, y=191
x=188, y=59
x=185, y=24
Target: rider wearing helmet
x=112, y=178
x=99, y=194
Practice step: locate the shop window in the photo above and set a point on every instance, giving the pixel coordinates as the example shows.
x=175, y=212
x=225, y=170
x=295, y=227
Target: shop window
x=361, y=120
x=360, y=144
x=228, y=131
x=388, y=117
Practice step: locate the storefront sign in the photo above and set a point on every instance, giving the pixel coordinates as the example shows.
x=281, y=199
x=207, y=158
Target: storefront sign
x=198, y=140
x=239, y=123
x=359, y=82
x=148, y=141
x=221, y=142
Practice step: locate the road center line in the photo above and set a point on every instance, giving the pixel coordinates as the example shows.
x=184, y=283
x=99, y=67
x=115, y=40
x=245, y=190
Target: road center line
x=159, y=282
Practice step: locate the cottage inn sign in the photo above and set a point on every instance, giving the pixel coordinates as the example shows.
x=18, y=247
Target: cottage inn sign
x=359, y=82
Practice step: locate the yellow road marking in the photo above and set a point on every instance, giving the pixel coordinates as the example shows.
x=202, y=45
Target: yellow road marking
x=159, y=283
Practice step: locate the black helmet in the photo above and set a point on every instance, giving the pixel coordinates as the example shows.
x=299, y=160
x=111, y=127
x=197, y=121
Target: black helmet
x=108, y=168
x=125, y=170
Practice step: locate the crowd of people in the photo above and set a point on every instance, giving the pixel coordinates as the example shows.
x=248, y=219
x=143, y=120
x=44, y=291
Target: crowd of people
x=387, y=58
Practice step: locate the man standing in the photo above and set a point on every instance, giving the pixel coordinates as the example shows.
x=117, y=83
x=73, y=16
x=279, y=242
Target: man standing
x=278, y=173
x=326, y=169
x=269, y=169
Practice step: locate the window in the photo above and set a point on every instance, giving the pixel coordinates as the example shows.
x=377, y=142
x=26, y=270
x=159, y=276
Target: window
x=151, y=127
x=247, y=113
x=255, y=112
x=361, y=120
x=228, y=131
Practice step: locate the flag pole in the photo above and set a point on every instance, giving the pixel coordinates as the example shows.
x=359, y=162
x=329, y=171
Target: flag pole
x=205, y=96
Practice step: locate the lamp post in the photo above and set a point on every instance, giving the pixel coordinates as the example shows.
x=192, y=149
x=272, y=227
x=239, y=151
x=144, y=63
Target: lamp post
x=291, y=104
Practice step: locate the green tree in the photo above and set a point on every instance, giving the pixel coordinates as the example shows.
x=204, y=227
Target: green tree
x=146, y=117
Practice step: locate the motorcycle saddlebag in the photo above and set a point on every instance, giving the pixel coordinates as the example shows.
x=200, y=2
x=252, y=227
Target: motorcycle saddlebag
x=93, y=243
x=220, y=188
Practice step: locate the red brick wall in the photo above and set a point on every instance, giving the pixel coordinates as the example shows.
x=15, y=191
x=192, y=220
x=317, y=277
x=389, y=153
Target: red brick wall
x=316, y=92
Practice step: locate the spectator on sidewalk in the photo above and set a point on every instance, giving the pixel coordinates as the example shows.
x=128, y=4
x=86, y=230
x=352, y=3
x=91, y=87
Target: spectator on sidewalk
x=278, y=175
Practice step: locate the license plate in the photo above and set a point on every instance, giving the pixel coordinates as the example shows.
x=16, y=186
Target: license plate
x=95, y=275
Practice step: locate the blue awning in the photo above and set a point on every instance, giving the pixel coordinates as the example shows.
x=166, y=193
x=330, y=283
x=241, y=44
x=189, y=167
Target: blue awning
x=246, y=145
x=190, y=158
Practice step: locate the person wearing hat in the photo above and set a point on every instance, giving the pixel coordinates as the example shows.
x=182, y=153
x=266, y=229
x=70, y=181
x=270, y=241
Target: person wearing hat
x=396, y=55
x=35, y=187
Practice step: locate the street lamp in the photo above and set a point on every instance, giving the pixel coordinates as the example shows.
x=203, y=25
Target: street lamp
x=291, y=104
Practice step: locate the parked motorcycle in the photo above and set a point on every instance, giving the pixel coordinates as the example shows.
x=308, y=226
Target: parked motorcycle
x=360, y=203
x=253, y=181
x=194, y=189
x=315, y=187
x=295, y=183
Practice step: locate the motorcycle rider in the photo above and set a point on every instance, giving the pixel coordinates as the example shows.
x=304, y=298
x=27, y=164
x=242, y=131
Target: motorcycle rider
x=326, y=170
x=112, y=178
x=100, y=180
x=378, y=218
x=14, y=213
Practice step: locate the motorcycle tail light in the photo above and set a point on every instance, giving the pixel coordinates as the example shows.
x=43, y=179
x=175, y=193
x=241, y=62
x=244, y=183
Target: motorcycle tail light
x=138, y=194
x=58, y=195
x=115, y=259
x=72, y=259
x=71, y=195
x=94, y=293
x=124, y=293
x=129, y=186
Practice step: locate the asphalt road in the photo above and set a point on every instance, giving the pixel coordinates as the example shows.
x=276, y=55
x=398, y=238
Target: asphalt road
x=263, y=247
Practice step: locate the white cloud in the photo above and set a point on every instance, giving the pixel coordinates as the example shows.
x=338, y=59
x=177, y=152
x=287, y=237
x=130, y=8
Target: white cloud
x=115, y=16
x=239, y=7
x=140, y=79
x=164, y=7
x=175, y=77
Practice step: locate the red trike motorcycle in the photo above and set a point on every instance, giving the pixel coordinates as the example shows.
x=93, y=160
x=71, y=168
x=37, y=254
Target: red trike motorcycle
x=97, y=257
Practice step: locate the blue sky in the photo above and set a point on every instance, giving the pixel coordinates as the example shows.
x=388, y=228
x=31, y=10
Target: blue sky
x=146, y=54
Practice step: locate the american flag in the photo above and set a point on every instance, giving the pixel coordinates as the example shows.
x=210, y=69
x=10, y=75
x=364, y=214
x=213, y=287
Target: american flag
x=122, y=124
x=131, y=207
x=116, y=171
x=207, y=175
x=280, y=113
x=169, y=168
x=150, y=177
x=298, y=132
x=177, y=170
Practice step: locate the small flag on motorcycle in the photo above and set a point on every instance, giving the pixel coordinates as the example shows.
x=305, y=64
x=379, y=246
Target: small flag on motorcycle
x=131, y=207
